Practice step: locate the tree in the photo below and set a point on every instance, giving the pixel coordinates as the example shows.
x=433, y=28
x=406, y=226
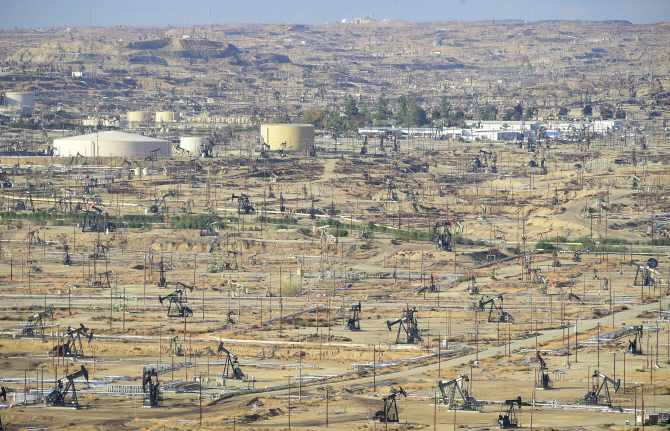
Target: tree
x=488, y=112
x=529, y=112
x=435, y=115
x=350, y=109
x=401, y=112
x=382, y=109
x=518, y=111
x=620, y=114
x=445, y=107
x=313, y=117
x=606, y=113
x=587, y=110
x=416, y=116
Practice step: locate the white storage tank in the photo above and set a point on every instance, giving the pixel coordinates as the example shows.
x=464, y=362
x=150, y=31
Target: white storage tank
x=167, y=117
x=195, y=145
x=139, y=116
x=23, y=100
x=297, y=136
x=114, y=144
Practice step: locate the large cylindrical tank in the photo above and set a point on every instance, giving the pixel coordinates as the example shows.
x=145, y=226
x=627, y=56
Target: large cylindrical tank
x=193, y=144
x=22, y=99
x=297, y=136
x=139, y=116
x=167, y=116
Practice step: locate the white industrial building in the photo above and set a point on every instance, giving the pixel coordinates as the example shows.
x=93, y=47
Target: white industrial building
x=111, y=144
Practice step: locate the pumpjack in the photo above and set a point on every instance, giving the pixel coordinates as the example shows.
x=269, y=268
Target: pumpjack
x=36, y=323
x=100, y=252
x=243, y=204
x=501, y=315
x=391, y=194
x=206, y=229
x=576, y=256
x=542, y=379
x=449, y=388
x=635, y=346
x=232, y=365
x=58, y=396
x=66, y=260
x=271, y=192
x=364, y=148
x=178, y=298
x=231, y=265
x=92, y=220
x=593, y=396
x=390, y=412
x=103, y=280
x=3, y=394
x=643, y=275
x=407, y=324
x=354, y=322
x=443, y=230
x=509, y=419
x=312, y=151
x=162, y=282
x=150, y=387
x=71, y=345
x=159, y=206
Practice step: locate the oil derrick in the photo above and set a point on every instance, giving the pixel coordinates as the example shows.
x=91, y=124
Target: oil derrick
x=243, y=204
x=407, y=325
x=232, y=366
x=58, y=397
x=150, y=387
x=595, y=396
x=177, y=299
x=390, y=412
x=36, y=323
x=71, y=345
x=354, y=322
x=449, y=390
x=501, y=315
x=542, y=380
x=508, y=419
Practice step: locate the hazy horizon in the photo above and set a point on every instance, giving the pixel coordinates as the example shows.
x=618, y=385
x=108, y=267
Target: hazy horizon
x=40, y=13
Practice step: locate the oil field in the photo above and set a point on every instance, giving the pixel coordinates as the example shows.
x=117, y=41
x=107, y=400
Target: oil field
x=232, y=229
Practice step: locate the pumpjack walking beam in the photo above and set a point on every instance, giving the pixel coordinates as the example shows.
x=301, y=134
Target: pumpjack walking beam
x=390, y=412
x=232, y=364
x=509, y=418
x=501, y=315
x=58, y=396
x=407, y=324
x=449, y=389
x=150, y=387
x=593, y=396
